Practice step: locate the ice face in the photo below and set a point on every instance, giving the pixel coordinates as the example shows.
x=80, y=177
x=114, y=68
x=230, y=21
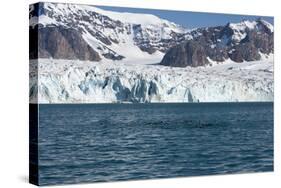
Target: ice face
x=70, y=81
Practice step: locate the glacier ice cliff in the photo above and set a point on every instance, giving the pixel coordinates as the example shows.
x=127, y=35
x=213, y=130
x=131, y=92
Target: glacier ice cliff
x=72, y=81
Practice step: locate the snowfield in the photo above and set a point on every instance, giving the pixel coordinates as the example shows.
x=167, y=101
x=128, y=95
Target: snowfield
x=72, y=81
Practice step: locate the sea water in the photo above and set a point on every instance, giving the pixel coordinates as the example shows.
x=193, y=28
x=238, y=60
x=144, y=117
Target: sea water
x=110, y=142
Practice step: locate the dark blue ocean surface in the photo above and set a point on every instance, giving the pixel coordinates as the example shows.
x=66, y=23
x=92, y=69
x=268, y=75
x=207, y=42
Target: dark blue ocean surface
x=109, y=142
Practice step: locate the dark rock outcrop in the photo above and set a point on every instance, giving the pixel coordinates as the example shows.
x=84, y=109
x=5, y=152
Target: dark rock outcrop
x=244, y=52
x=189, y=53
x=237, y=42
x=62, y=43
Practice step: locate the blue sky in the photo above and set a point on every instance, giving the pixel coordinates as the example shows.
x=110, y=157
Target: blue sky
x=191, y=19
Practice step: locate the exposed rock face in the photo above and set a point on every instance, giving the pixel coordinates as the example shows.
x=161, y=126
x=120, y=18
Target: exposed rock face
x=189, y=53
x=245, y=41
x=63, y=43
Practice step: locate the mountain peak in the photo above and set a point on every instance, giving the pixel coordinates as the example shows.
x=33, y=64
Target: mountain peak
x=251, y=25
x=268, y=26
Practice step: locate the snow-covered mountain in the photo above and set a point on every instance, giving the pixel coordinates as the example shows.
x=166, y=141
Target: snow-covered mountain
x=69, y=31
x=109, y=35
x=244, y=41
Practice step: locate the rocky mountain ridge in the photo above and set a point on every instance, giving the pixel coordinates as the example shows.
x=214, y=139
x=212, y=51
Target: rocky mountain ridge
x=82, y=32
x=245, y=41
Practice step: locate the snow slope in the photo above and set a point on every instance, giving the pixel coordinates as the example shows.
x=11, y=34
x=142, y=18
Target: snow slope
x=68, y=81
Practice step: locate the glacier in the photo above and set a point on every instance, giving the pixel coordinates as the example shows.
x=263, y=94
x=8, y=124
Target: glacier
x=74, y=81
